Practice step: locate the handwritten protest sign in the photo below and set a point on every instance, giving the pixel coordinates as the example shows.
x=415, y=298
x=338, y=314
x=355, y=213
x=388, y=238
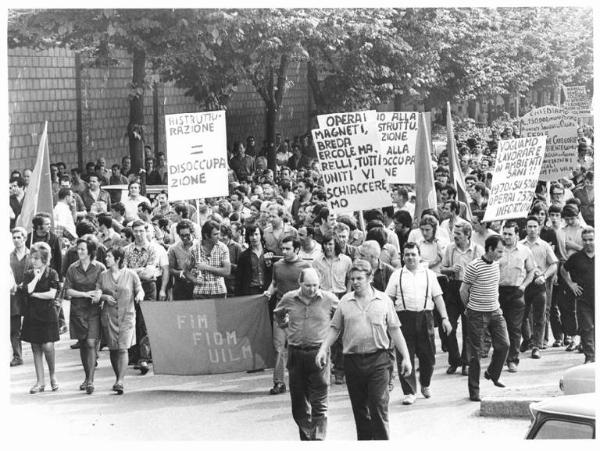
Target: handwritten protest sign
x=398, y=136
x=337, y=119
x=351, y=166
x=518, y=164
x=561, y=143
x=209, y=336
x=577, y=101
x=197, y=155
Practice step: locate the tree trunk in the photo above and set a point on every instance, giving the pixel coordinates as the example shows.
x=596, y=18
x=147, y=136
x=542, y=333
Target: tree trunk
x=135, y=128
x=270, y=129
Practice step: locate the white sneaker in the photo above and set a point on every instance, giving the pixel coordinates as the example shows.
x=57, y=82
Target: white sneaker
x=409, y=399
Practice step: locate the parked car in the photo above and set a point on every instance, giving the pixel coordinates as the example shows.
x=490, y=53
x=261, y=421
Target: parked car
x=564, y=417
x=579, y=379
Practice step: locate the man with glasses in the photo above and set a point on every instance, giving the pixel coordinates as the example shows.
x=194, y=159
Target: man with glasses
x=179, y=255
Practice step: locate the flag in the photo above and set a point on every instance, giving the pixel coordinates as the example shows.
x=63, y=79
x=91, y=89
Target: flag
x=425, y=187
x=456, y=176
x=38, y=197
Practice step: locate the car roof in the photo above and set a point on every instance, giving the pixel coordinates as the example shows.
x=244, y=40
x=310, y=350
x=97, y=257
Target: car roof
x=582, y=405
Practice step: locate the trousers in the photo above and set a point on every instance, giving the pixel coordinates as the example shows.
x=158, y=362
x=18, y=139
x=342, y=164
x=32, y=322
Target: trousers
x=534, y=315
x=512, y=304
x=15, y=336
x=367, y=379
x=418, y=331
x=586, y=320
x=309, y=386
x=456, y=309
x=495, y=323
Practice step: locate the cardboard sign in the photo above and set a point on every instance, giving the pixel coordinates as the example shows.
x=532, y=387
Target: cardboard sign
x=340, y=119
x=577, y=101
x=352, y=168
x=209, y=336
x=196, y=155
x=398, y=136
x=516, y=172
x=560, y=129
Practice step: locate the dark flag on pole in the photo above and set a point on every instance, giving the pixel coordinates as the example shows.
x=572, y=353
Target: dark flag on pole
x=456, y=176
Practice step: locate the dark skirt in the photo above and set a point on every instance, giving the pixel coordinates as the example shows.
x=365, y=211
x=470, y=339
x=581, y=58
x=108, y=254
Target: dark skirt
x=84, y=320
x=40, y=322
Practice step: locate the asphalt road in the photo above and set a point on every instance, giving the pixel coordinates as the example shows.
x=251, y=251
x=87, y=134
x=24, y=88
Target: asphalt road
x=228, y=407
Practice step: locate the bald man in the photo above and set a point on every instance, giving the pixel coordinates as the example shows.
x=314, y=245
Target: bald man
x=306, y=314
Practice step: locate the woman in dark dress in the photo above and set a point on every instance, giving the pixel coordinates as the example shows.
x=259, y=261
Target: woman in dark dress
x=40, y=319
x=84, y=321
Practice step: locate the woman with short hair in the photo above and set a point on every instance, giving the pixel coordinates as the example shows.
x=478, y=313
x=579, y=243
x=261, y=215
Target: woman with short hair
x=84, y=321
x=120, y=288
x=40, y=318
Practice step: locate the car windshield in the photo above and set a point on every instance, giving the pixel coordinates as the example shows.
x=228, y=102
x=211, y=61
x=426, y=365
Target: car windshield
x=563, y=429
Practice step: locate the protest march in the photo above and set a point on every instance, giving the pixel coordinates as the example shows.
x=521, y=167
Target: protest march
x=335, y=256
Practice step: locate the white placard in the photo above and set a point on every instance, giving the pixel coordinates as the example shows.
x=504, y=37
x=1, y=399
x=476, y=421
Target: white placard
x=577, y=101
x=398, y=136
x=516, y=172
x=196, y=155
x=339, y=119
x=352, y=168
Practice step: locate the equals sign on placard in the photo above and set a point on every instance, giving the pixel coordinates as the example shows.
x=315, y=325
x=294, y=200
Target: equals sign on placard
x=195, y=152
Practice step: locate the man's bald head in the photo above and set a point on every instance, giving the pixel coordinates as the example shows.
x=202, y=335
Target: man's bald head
x=309, y=282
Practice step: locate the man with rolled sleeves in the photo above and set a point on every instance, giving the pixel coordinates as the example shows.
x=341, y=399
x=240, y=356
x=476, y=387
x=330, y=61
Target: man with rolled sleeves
x=306, y=314
x=457, y=257
x=416, y=292
x=366, y=316
x=516, y=273
x=536, y=294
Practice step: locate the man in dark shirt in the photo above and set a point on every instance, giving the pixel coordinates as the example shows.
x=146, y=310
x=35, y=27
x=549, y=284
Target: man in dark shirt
x=17, y=195
x=242, y=164
x=286, y=273
x=578, y=272
x=306, y=313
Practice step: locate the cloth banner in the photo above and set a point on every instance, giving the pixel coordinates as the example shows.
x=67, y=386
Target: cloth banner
x=196, y=155
x=209, y=336
x=425, y=189
x=351, y=164
x=518, y=164
x=561, y=143
x=398, y=137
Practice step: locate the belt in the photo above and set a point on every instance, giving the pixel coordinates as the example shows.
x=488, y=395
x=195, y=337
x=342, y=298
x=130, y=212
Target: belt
x=305, y=348
x=365, y=354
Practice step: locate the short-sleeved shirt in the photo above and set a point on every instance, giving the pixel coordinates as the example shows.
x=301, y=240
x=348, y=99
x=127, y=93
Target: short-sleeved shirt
x=543, y=255
x=81, y=279
x=207, y=282
x=285, y=275
x=454, y=256
x=515, y=263
x=365, y=331
x=179, y=256
x=581, y=269
x=334, y=273
x=430, y=250
x=309, y=319
x=413, y=291
x=139, y=257
x=483, y=278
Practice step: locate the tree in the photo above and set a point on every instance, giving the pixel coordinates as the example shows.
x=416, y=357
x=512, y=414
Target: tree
x=96, y=34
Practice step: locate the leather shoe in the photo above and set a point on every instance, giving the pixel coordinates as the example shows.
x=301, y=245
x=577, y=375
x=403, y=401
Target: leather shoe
x=452, y=369
x=465, y=370
x=37, y=389
x=426, y=392
x=409, y=399
x=557, y=344
x=16, y=362
x=89, y=388
x=496, y=382
x=524, y=346
x=278, y=388
x=83, y=386
x=572, y=346
x=75, y=345
x=536, y=354
x=475, y=397
x=118, y=388
x=144, y=368
x=512, y=367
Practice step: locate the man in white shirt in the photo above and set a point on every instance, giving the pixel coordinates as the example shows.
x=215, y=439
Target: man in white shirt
x=63, y=218
x=415, y=292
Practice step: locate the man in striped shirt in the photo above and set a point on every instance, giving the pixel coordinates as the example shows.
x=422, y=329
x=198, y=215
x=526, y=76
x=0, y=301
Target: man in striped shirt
x=479, y=293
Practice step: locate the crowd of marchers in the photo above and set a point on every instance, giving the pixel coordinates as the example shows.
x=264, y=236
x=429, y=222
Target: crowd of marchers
x=352, y=297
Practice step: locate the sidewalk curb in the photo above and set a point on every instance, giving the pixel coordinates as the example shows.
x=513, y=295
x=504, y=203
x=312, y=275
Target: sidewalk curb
x=506, y=407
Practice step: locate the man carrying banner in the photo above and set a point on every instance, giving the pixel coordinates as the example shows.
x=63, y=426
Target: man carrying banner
x=366, y=316
x=306, y=313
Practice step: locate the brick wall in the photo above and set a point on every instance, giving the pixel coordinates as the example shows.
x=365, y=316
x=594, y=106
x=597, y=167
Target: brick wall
x=42, y=86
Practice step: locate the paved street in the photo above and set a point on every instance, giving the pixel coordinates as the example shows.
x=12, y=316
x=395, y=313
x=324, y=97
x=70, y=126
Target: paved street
x=237, y=406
